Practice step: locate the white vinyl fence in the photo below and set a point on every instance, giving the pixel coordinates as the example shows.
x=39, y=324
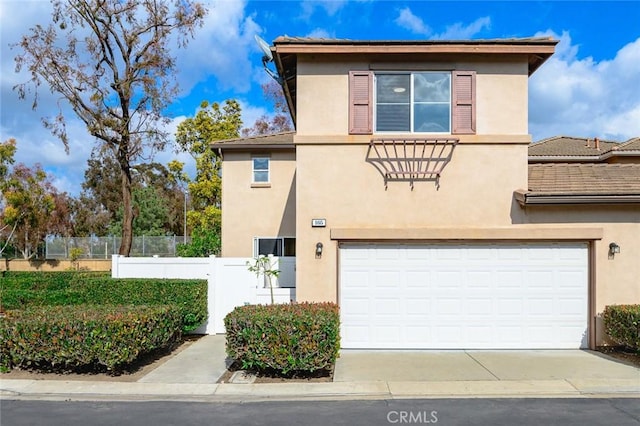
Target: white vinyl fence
x=230, y=283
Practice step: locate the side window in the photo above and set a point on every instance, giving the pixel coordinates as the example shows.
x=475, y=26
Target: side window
x=260, y=169
x=275, y=246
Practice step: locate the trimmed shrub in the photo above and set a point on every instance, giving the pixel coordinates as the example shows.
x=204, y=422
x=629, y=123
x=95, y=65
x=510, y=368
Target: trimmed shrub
x=45, y=280
x=622, y=324
x=71, y=338
x=189, y=296
x=287, y=339
x=23, y=290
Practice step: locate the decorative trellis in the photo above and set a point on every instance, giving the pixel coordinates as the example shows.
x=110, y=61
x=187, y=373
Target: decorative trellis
x=411, y=160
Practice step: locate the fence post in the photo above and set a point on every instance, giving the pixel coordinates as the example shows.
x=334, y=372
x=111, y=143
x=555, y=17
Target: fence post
x=115, y=272
x=212, y=280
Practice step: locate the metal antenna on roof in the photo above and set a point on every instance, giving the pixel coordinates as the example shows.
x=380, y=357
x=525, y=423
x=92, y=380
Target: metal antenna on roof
x=267, y=57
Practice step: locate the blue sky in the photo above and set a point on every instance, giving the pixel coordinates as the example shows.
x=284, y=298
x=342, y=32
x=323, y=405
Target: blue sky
x=590, y=87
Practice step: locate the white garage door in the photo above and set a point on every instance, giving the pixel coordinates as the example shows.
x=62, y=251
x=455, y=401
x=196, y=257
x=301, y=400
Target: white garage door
x=464, y=296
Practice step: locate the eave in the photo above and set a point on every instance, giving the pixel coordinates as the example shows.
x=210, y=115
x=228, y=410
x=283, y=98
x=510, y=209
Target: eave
x=251, y=147
x=525, y=198
x=286, y=51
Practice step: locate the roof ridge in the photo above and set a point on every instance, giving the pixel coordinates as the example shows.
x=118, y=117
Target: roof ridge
x=631, y=141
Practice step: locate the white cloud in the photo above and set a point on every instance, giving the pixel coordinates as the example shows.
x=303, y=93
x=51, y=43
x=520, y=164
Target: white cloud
x=251, y=113
x=409, y=21
x=583, y=97
x=321, y=33
x=459, y=31
x=406, y=19
x=222, y=48
x=331, y=7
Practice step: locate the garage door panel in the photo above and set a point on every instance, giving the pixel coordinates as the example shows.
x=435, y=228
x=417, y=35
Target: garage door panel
x=478, y=306
x=457, y=296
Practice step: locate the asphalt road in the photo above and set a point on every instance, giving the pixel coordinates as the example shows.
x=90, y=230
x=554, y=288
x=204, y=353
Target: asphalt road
x=519, y=412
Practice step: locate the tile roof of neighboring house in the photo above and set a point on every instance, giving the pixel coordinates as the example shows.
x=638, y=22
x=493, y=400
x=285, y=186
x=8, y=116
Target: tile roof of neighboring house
x=568, y=146
x=584, y=178
x=277, y=140
x=580, y=183
x=572, y=149
x=630, y=145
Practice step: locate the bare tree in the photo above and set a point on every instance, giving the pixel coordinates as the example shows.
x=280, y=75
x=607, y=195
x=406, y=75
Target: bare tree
x=280, y=121
x=110, y=61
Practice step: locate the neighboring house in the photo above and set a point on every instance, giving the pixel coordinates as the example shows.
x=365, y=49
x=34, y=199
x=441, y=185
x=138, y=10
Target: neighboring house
x=566, y=149
x=405, y=196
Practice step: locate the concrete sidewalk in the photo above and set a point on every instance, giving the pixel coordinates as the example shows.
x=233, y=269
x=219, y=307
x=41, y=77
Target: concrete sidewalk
x=192, y=375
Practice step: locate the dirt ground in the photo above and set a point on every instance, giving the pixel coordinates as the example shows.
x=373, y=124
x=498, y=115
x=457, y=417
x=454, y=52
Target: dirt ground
x=623, y=355
x=135, y=372
x=318, y=377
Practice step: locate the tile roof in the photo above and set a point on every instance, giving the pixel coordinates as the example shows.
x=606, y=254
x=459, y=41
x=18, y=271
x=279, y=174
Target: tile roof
x=277, y=139
x=568, y=146
x=630, y=145
x=584, y=179
x=322, y=40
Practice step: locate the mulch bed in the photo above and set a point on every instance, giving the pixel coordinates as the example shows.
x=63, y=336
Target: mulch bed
x=273, y=376
x=131, y=373
x=621, y=354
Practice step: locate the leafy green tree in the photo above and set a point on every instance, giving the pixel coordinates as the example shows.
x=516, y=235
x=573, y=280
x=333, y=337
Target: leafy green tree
x=204, y=243
x=7, y=152
x=212, y=122
x=111, y=61
x=88, y=217
x=28, y=202
x=149, y=211
x=101, y=194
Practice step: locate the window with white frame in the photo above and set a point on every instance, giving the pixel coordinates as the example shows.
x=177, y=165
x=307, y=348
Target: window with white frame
x=260, y=169
x=278, y=246
x=418, y=102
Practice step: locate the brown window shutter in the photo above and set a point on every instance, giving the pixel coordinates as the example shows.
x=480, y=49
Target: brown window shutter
x=464, y=102
x=360, y=102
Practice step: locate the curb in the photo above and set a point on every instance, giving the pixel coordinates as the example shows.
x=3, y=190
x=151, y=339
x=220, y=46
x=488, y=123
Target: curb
x=137, y=391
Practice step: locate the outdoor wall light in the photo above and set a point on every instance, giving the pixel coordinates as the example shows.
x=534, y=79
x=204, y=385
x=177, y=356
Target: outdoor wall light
x=318, y=250
x=613, y=249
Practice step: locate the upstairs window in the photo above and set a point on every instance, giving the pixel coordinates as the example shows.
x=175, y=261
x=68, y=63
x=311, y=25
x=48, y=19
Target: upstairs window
x=413, y=102
x=260, y=169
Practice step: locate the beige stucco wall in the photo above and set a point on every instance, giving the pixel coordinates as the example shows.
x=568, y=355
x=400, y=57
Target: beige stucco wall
x=328, y=178
x=54, y=265
x=249, y=211
x=617, y=278
x=475, y=190
x=323, y=93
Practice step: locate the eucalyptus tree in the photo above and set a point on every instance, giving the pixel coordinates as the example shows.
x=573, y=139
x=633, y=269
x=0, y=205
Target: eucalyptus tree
x=111, y=61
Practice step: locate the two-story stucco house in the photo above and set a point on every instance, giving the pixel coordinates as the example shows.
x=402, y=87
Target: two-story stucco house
x=405, y=196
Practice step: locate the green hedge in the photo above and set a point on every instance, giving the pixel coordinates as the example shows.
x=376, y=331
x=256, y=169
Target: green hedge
x=23, y=290
x=286, y=339
x=69, y=338
x=622, y=324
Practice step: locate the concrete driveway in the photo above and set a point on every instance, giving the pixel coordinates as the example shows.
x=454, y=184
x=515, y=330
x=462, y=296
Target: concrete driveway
x=426, y=366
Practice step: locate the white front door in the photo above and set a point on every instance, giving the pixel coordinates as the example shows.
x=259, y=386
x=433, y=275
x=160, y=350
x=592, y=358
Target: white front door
x=464, y=296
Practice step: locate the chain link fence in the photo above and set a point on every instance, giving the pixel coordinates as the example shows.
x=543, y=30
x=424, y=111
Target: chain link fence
x=104, y=247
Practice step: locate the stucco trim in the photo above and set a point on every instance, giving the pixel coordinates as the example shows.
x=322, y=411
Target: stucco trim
x=366, y=139
x=457, y=234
